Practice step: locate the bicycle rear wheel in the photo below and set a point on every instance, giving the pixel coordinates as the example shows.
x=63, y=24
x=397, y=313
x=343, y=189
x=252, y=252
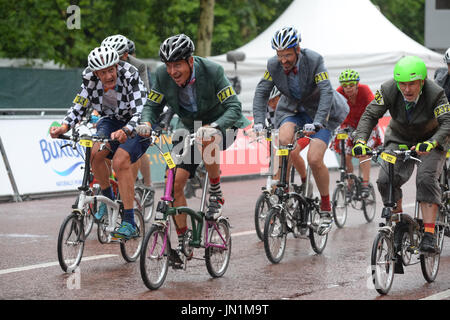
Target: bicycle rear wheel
x=429, y=263
x=261, y=209
x=370, y=204
x=382, y=261
x=275, y=235
x=217, y=259
x=339, y=205
x=71, y=242
x=154, y=261
x=131, y=248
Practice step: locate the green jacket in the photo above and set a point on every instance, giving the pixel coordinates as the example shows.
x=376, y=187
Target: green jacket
x=430, y=119
x=216, y=99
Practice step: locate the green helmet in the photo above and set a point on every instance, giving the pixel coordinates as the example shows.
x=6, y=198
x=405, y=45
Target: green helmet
x=410, y=68
x=349, y=75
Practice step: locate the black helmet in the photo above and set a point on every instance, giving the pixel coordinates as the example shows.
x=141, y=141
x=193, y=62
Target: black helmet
x=179, y=47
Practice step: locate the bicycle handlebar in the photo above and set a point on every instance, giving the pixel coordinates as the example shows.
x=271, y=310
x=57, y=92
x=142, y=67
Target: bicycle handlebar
x=404, y=154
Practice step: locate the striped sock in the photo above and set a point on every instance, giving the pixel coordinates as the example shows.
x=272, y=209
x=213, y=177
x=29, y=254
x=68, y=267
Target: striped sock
x=214, y=188
x=429, y=227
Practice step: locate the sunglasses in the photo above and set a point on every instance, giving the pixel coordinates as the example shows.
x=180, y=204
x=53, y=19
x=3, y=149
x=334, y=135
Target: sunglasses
x=349, y=84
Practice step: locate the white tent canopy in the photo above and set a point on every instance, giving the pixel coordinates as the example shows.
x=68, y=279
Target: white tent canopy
x=347, y=33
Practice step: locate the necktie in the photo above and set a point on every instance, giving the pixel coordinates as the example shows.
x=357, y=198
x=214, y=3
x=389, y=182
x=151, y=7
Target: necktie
x=409, y=106
x=294, y=70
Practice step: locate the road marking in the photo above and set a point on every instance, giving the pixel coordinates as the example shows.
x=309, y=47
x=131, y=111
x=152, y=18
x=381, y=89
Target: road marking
x=52, y=264
x=243, y=233
x=438, y=296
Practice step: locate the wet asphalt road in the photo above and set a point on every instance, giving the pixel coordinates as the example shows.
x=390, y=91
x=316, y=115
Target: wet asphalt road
x=29, y=266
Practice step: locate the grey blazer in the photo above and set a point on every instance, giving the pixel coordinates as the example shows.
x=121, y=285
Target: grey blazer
x=142, y=68
x=323, y=104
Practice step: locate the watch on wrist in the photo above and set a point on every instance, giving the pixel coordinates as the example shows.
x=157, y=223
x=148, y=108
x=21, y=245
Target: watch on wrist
x=126, y=130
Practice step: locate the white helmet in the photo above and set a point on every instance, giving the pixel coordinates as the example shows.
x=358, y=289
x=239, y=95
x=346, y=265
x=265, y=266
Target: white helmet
x=274, y=93
x=118, y=42
x=102, y=57
x=447, y=56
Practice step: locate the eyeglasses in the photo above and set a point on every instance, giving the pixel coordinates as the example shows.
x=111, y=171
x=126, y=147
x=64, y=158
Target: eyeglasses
x=349, y=84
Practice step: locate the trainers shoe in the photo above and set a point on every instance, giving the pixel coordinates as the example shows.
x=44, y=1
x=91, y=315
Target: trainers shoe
x=125, y=231
x=215, y=207
x=428, y=243
x=365, y=191
x=102, y=209
x=326, y=221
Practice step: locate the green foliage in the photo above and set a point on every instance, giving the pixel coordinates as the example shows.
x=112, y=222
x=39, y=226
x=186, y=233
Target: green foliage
x=407, y=15
x=38, y=29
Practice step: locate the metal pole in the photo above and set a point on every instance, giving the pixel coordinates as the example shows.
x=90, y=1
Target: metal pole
x=17, y=197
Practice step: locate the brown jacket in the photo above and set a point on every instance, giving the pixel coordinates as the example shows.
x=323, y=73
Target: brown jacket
x=430, y=119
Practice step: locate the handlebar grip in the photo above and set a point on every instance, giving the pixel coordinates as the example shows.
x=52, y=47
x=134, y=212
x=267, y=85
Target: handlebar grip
x=64, y=137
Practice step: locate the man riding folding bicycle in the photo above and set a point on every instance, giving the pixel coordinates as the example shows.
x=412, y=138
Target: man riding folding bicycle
x=115, y=90
x=200, y=94
x=420, y=120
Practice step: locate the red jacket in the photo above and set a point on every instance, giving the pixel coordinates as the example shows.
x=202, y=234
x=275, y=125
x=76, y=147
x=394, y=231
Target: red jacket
x=363, y=98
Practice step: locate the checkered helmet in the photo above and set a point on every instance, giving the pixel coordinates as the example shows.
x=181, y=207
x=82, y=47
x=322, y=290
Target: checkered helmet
x=102, y=57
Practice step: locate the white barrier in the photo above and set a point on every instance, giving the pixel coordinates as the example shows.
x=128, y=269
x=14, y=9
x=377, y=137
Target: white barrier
x=37, y=162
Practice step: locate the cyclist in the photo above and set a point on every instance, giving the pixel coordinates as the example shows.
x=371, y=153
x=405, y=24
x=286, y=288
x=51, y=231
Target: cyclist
x=358, y=96
x=123, y=45
x=307, y=100
x=115, y=90
x=442, y=75
x=421, y=121
x=197, y=90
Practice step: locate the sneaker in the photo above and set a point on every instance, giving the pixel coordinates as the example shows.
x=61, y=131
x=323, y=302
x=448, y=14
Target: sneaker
x=125, y=231
x=102, y=209
x=326, y=220
x=365, y=191
x=215, y=207
x=428, y=243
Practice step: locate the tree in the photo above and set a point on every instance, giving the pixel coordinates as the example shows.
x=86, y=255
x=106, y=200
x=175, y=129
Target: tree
x=205, y=28
x=407, y=15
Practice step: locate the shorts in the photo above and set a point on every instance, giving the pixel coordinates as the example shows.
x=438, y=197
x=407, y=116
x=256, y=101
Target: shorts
x=135, y=146
x=302, y=118
x=193, y=158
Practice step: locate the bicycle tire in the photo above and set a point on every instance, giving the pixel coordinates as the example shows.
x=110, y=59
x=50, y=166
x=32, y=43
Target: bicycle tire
x=340, y=208
x=275, y=235
x=131, y=248
x=430, y=263
x=217, y=259
x=370, y=204
x=73, y=225
x=261, y=214
x=382, y=248
x=147, y=210
x=154, y=258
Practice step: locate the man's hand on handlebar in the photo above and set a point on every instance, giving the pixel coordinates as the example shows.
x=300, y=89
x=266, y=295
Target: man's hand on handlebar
x=423, y=148
x=360, y=149
x=55, y=132
x=144, y=129
x=311, y=128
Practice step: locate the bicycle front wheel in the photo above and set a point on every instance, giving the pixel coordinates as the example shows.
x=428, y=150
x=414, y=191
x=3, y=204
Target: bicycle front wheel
x=154, y=261
x=370, y=204
x=318, y=242
x=382, y=261
x=131, y=248
x=217, y=255
x=261, y=209
x=275, y=235
x=71, y=242
x=429, y=263
x=339, y=205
